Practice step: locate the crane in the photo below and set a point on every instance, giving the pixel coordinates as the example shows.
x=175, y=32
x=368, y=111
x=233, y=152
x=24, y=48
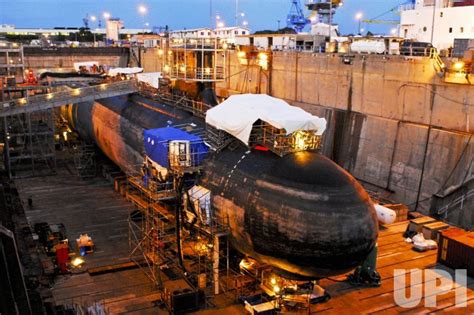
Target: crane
x=388, y=22
x=296, y=18
x=324, y=9
x=377, y=20
x=85, y=20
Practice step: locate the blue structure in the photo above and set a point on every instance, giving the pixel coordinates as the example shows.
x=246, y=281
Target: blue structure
x=296, y=19
x=157, y=145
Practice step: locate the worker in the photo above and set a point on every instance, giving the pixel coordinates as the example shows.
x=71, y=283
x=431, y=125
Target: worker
x=94, y=69
x=30, y=77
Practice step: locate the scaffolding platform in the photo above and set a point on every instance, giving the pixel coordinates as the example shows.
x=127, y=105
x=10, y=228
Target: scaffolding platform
x=194, y=59
x=154, y=191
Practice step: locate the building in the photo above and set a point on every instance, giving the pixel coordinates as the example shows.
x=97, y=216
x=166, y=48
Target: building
x=203, y=32
x=438, y=21
x=113, y=27
x=268, y=41
x=147, y=40
x=323, y=29
x=231, y=33
x=228, y=33
x=8, y=29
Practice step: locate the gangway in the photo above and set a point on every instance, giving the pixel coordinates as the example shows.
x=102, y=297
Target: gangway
x=73, y=96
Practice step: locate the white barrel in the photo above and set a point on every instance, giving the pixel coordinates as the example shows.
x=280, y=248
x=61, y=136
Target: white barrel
x=385, y=215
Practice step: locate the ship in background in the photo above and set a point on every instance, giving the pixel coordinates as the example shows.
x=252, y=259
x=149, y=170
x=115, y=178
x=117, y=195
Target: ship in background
x=439, y=22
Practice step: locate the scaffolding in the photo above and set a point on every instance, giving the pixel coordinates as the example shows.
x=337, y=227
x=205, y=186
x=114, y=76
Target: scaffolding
x=29, y=144
x=173, y=233
x=194, y=59
x=11, y=63
x=85, y=160
x=270, y=137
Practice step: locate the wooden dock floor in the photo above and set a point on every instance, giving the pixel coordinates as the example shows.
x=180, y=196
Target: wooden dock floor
x=93, y=207
x=394, y=253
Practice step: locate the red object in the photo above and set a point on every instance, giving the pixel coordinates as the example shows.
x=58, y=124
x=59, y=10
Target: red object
x=30, y=78
x=260, y=148
x=456, y=249
x=62, y=257
x=464, y=3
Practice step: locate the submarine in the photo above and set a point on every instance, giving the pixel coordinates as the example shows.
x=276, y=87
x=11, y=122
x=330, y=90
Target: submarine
x=301, y=213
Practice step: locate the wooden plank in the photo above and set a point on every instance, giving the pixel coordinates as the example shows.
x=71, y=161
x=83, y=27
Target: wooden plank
x=112, y=268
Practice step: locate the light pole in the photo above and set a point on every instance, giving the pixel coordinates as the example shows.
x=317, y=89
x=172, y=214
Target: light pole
x=278, y=21
x=210, y=15
x=433, y=22
x=106, y=16
x=330, y=21
x=358, y=17
x=93, y=19
x=236, y=12
x=143, y=11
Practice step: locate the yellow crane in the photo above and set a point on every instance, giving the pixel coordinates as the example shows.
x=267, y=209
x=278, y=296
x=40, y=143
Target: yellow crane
x=387, y=22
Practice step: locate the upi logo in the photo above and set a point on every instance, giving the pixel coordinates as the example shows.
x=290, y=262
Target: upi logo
x=409, y=288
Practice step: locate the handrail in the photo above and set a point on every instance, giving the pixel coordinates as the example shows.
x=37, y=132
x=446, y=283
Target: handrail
x=439, y=64
x=458, y=200
x=197, y=108
x=199, y=73
x=72, y=95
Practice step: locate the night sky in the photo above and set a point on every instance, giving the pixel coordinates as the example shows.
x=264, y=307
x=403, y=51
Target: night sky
x=178, y=14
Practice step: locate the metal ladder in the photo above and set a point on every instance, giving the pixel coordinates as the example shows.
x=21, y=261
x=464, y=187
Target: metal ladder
x=438, y=65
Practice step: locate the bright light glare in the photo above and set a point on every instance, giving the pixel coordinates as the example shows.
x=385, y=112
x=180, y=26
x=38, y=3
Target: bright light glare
x=142, y=9
x=77, y=261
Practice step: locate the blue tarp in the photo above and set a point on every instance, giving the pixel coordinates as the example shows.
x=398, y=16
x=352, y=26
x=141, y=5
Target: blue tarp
x=156, y=145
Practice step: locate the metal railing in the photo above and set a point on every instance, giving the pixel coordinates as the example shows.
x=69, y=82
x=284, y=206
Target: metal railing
x=406, y=7
x=10, y=46
x=201, y=74
x=438, y=62
x=83, y=94
x=213, y=43
x=458, y=202
x=280, y=143
x=197, y=108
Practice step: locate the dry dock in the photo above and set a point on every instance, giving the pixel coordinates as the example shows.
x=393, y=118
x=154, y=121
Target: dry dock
x=81, y=204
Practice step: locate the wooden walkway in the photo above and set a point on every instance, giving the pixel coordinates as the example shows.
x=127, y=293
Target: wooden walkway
x=394, y=253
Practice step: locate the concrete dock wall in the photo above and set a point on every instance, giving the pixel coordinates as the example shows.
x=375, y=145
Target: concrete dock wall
x=393, y=122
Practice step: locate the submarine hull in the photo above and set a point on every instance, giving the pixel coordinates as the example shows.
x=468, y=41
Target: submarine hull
x=301, y=214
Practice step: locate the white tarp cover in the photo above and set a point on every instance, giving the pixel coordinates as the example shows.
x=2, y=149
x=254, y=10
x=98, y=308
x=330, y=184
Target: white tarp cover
x=87, y=64
x=114, y=71
x=152, y=78
x=238, y=113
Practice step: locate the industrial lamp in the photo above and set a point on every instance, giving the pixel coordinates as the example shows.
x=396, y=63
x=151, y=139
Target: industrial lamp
x=459, y=65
